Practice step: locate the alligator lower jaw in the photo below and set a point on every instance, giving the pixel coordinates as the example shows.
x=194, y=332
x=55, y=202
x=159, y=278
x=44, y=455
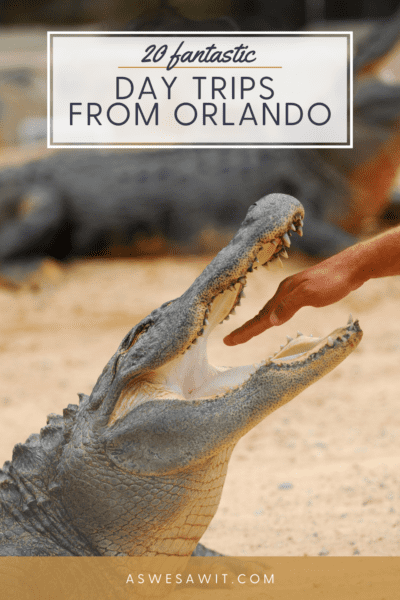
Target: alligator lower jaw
x=295, y=353
x=191, y=377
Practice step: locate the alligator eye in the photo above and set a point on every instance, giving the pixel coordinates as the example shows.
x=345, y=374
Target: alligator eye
x=129, y=340
x=132, y=337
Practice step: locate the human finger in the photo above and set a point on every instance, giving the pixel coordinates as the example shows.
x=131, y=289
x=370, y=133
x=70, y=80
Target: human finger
x=277, y=311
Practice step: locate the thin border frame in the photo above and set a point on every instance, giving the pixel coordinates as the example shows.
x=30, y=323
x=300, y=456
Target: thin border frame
x=217, y=145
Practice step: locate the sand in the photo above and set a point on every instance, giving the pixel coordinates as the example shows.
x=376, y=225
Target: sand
x=318, y=476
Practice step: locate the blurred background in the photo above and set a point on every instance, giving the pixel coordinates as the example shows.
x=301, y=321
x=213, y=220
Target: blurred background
x=124, y=203
x=63, y=204
x=92, y=241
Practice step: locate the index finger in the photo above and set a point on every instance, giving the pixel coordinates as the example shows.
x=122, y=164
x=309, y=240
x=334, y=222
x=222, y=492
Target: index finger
x=277, y=311
x=254, y=326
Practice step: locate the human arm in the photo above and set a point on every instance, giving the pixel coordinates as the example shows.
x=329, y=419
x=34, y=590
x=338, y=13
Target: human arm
x=325, y=283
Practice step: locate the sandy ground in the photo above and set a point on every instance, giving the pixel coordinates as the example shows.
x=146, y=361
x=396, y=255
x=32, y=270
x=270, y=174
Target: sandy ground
x=318, y=476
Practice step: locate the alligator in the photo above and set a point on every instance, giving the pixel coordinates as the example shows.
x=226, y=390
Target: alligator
x=97, y=202
x=138, y=467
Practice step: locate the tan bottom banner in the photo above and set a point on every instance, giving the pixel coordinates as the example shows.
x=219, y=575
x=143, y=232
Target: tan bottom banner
x=199, y=578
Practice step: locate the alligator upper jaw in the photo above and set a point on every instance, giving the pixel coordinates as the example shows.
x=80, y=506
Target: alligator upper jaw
x=220, y=298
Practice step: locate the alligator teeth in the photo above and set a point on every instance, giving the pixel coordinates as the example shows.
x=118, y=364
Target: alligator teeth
x=286, y=240
x=226, y=318
x=293, y=227
x=301, y=222
x=284, y=253
x=350, y=321
x=200, y=332
x=274, y=242
x=266, y=265
x=330, y=341
x=250, y=269
x=256, y=260
x=233, y=311
x=282, y=346
x=280, y=262
x=205, y=322
x=300, y=231
x=289, y=339
x=242, y=294
x=194, y=341
x=242, y=280
x=299, y=334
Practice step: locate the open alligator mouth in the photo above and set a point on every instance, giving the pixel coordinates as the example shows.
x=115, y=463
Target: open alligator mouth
x=213, y=297
x=193, y=377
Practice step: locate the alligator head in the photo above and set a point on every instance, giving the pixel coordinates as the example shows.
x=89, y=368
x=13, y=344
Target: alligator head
x=144, y=458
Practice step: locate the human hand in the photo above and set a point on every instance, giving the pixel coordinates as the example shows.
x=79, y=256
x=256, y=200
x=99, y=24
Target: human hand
x=317, y=286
